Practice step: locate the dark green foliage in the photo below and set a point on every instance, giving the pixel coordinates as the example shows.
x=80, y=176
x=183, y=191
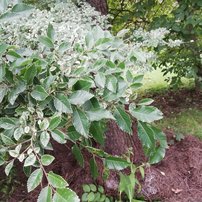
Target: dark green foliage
x=182, y=17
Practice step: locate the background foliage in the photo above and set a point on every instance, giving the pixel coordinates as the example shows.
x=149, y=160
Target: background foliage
x=183, y=19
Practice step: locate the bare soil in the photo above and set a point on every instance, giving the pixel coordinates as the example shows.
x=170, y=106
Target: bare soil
x=178, y=178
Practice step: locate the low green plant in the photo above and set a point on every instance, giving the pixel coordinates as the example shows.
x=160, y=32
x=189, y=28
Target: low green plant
x=95, y=193
x=129, y=183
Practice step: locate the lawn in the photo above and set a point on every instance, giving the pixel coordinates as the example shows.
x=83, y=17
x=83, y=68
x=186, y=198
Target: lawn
x=186, y=122
x=155, y=82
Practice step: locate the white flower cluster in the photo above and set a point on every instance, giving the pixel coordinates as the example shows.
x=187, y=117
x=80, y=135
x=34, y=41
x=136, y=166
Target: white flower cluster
x=70, y=24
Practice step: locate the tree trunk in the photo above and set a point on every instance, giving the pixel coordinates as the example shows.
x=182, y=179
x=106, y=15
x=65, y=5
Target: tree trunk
x=100, y=5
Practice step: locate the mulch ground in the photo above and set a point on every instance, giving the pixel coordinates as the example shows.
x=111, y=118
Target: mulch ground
x=173, y=102
x=178, y=178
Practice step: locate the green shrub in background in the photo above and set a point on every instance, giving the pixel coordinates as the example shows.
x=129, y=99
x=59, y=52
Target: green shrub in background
x=182, y=18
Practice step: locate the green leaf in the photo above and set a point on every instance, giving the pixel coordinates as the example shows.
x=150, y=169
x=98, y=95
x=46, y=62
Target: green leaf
x=47, y=159
x=13, y=153
x=3, y=48
x=111, y=84
x=84, y=84
x=3, y=92
x=157, y=155
x=63, y=47
x=99, y=114
x=153, y=140
x=86, y=188
x=100, y=80
x=127, y=185
x=89, y=39
x=1, y=161
x=34, y=179
x=123, y=120
x=44, y=138
x=54, y=122
x=93, y=168
x=81, y=122
x=58, y=136
x=141, y=169
x=56, y=180
x=146, y=113
x=91, y=196
x=48, y=81
x=129, y=76
x=14, y=93
x=97, y=130
x=46, y=41
x=21, y=7
x=78, y=155
x=50, y=31
x=145, y=101
x=138, y=79
x=136, y=86
x=8, y=167
x=45, y=195
x=39, y=93
x=62, y=104
x=6, y=140
x=80, y=97
x=100, y=189
x=30, y=74
x=93, y=187
x=2, y=73
x=7, y=123
x=30, y=160
x=145, y=134
x=18, y=133
x=91, y=104
x=116, y=163
x=65, y=195
x=13, y=54
x=44, y=124
x=73, y=134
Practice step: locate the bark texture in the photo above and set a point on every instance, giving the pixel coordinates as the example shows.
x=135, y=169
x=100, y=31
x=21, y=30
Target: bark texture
x=100, y=5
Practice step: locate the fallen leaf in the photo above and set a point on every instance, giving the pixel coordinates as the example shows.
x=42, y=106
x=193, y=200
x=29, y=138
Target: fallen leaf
x=176, y=191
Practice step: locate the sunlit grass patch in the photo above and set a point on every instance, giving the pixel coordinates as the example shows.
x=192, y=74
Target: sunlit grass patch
x=186, y=122
x=155, y=82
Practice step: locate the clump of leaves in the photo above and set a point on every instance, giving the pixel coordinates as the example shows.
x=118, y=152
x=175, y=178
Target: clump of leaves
x=44, y=100
x=94, y=193
x=128, y=183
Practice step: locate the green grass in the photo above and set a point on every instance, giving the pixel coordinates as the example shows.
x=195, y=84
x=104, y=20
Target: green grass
x=186, y=122
x=154, y=82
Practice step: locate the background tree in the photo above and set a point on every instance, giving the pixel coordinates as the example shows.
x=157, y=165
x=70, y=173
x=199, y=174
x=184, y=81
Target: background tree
x=100, y=5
